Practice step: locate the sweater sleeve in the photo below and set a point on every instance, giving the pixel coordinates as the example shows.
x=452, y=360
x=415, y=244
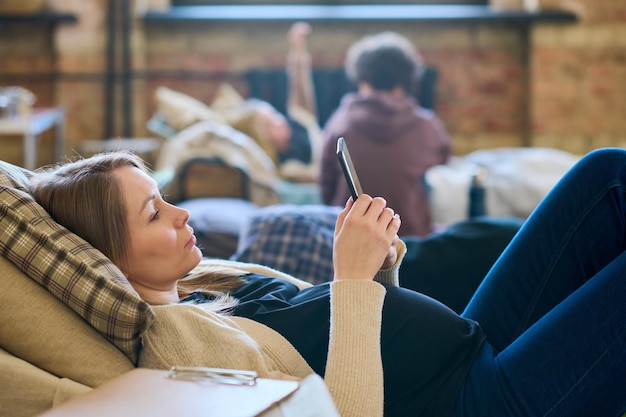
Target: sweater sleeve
x=391, y=276
x=354, y=372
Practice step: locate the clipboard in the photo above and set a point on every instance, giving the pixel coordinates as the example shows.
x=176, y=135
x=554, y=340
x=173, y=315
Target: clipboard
x=151, y=393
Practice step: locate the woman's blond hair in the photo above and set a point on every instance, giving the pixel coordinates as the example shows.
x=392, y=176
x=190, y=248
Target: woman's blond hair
x=87, y=199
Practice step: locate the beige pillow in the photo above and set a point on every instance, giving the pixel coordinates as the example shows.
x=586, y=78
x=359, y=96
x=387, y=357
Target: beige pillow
x=226, y=98
x=180, y=110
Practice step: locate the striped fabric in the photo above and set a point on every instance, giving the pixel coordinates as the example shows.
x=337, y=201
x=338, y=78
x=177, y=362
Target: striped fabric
x=68, y=267
x=14, y=176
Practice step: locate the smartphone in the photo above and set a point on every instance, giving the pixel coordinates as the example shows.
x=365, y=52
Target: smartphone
x=348, y=169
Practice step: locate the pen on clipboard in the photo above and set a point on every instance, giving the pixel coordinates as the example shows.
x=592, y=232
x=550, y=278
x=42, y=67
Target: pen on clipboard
x=218, y=375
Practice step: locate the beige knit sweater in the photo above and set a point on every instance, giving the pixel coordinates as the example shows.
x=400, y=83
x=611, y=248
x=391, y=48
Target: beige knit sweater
x=187, y=335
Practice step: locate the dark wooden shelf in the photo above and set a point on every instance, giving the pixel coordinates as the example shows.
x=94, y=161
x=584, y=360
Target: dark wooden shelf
x=43, y=18
x=424, y=13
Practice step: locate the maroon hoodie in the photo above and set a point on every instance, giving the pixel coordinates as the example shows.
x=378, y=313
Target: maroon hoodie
x=392, y=143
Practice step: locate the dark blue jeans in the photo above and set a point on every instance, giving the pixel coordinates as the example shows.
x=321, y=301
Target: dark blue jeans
x=553, y=306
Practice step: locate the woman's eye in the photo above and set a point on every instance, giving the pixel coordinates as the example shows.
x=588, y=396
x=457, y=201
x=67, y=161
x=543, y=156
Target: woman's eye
x=155, y=216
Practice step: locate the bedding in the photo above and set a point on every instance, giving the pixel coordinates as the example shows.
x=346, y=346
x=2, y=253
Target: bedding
x=517, y=180
x=225, y=128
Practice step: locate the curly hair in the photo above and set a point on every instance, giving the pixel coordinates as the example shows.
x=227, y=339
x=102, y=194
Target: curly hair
x=385, y=61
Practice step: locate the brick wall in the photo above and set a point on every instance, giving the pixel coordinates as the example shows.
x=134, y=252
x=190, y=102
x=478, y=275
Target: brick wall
x=575, y=85
x=579, y=78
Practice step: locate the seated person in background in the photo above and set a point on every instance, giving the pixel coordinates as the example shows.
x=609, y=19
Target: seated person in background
x=383, y=350
x=392, y=140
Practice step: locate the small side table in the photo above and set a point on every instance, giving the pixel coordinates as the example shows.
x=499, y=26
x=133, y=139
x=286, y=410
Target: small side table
x=31, y=126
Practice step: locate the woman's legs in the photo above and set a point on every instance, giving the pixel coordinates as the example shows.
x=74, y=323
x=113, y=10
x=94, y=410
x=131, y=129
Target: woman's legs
x=554, y=305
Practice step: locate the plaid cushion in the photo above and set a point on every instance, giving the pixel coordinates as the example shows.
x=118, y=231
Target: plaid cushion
x=68, y=267
x=297, y=240
x=14, y=176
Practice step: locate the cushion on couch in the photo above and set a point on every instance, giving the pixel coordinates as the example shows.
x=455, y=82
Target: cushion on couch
x=180, y=110
x=293, y=239
x=38, y=328
x=14, y=176
x=26, y=391
x=68, y=267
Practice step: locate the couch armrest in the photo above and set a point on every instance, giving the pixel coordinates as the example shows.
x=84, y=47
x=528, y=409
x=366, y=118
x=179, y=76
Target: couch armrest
x=26, y=390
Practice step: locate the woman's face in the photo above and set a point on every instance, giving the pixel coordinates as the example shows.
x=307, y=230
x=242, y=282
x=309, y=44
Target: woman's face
x=162, y=244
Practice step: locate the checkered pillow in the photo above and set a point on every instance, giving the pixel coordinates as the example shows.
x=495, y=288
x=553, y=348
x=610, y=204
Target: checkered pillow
x=13, y=176
x=68, y=267
x=297, y=240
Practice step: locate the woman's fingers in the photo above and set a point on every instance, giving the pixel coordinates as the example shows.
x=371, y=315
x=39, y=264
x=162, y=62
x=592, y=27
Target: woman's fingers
x=341, y=218
x=384, y=215
x=364, y=235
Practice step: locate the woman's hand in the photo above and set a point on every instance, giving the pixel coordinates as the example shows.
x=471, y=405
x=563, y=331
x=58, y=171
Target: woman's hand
x=392, y=255
x=365, y=238
x=298, y=34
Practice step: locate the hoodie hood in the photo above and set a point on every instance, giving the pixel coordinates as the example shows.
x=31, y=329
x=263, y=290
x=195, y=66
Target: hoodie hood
x=380, y=116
